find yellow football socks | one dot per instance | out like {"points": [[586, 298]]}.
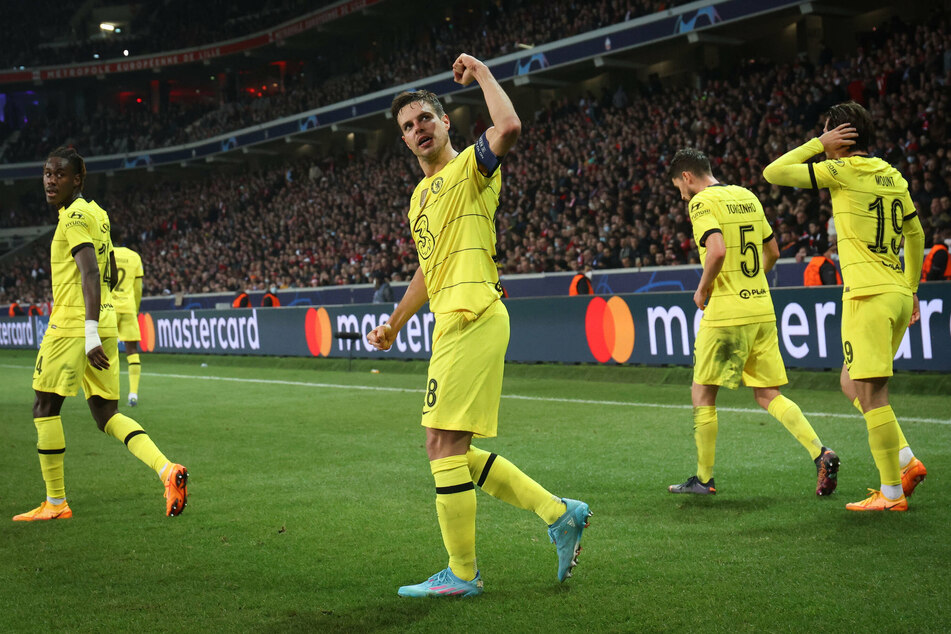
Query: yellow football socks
{"points": [[705, 434], [905, 452], [135, 371], [789, 414], [51, 447], [503, 480], [456, 509], [123, 428], [883, 440]]}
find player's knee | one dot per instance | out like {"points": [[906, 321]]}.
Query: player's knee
{"points": [[45, 405], [102, 411]]}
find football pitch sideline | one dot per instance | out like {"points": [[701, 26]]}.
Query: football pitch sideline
{"points": [[311, 501]]}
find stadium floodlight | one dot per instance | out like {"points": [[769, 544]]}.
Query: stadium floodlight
{"points": [[107, 26]]}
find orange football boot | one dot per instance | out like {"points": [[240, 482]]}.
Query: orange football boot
{"points": [[912, 475], [876, 501], [46, 511], [176, 491]]}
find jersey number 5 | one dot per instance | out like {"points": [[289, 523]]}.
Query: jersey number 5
{"points": [[898, 210], [749, 249]]}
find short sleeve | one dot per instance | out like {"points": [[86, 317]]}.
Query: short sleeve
{"points": [[139, 271], [825, 174], [704, 221], [78, 226], [767, 229]]}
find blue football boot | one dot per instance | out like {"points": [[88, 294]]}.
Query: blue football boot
{"points": [[565, 534], [444, 584]]}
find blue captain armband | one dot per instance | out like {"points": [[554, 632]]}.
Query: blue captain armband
{"points": [[485, 157]]}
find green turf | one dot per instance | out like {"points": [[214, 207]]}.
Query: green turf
{"points": [[309, 505]]}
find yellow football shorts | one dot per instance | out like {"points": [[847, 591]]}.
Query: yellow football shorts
{"points": [[128, 327], [464, 385], [723, 355], [61, 364], [872, 330]]}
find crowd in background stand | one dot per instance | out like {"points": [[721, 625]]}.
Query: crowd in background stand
{"points": [[339, 71], [585, 187]]}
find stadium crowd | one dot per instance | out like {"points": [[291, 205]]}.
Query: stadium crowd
{"points": [[585, 187], [154, 27], [339, 70]]}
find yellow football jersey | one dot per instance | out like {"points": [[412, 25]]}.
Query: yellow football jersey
{"points": [[740, 292], [80, 224], [452, 217], [870, 203], [130, 269]]}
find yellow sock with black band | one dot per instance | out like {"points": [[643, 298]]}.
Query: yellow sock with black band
{"points": [[135, 372], [123, 428], [456, 510], [705, 434], [503, 480], [792, 418], [883, 440], [51, 447]]}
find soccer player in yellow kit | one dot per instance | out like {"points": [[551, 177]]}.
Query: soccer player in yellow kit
{"points": [[737, 336], [127, 297], [872, 210], [80, 344], [452, 217]]}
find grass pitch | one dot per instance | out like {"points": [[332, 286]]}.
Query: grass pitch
{"points": [[311, 501]]}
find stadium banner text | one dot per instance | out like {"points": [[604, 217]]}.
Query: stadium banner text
{"points": [[636, 328]]}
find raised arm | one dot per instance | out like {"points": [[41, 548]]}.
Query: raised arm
{"points": [[506, 126], [791, 168], [416, 296]]}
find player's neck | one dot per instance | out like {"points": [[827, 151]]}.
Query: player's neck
{"points": [[842, 155], [70, 200], [706, 181], [440, 161]]}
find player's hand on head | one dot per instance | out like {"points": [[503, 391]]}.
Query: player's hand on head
{"points": [[381, 337], [98, 359], [839, 137], [463, 69]]}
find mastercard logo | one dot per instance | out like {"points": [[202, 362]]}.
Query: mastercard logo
{"points": [[147, 331], [610, 329], [318, 332]]}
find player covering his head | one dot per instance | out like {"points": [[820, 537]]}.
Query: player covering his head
{"points": [[873, 213], [737, 338], [452, 216], [80, 344]]}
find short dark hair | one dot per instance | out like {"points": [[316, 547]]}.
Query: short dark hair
{"points": [[690, 160], [854, 114], [405, 98], [75, 161]]}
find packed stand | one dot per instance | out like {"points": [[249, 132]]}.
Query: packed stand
{"points": [[155, 28], [586, 186], [340, 71]]}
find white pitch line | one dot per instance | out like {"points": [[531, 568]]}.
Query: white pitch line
{"points": [[520, 397]]}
